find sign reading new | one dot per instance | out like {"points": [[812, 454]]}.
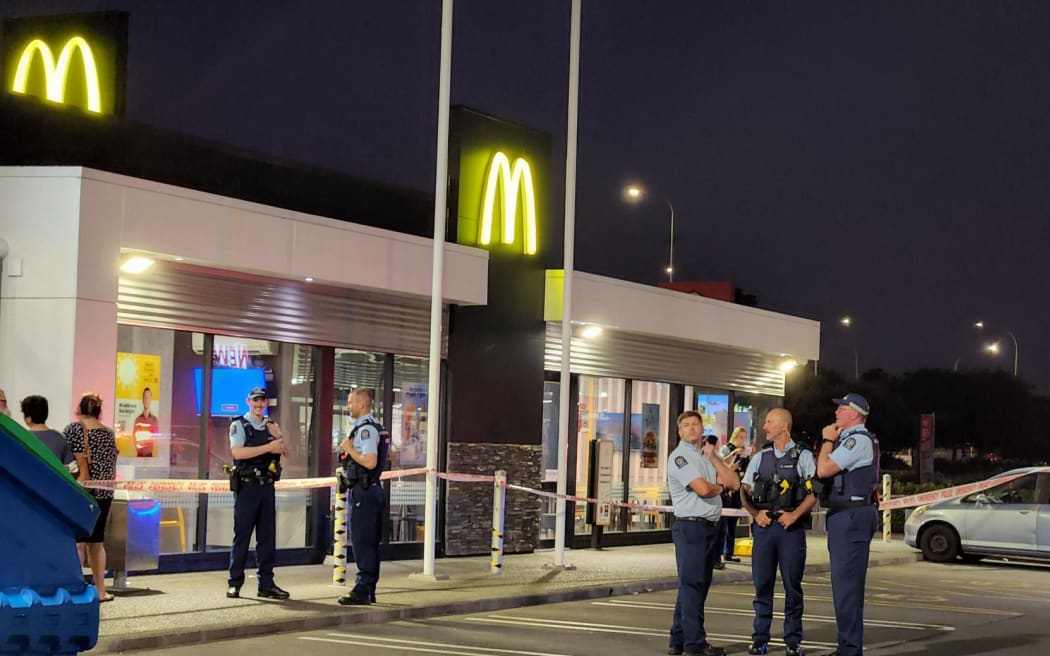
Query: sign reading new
{"points": [[74, 60]]}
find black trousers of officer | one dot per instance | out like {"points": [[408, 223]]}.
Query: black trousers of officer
{"points": [[254, 509], [366, 531], [773, 547], [695, 550], [849, 544]]}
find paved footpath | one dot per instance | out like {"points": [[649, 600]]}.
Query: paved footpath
{"points": [[191, 608]]}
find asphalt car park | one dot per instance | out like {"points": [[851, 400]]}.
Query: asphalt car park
{"points": [[924, 608]]}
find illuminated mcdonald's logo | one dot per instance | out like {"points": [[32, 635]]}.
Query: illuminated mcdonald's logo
{"points": [[56, 73], [512, 181]]}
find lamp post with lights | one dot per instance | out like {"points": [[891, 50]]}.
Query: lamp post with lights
{"points": [[635, 193], [994, 348]]}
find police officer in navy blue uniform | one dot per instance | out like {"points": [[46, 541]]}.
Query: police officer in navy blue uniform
{"points": [[778, 494], [849, 457], [365, 457], [696, 479], [256, 446]]}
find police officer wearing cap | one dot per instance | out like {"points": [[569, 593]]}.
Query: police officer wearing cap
{"points": [[778, 494], [696, 479], [365, 459], [848, 462], [256, 446]]}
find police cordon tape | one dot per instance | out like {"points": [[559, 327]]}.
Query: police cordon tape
{"points": [[924, 498], [217, 486]]}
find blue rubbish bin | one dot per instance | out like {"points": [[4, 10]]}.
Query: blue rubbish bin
{"points": [[45, 606]]}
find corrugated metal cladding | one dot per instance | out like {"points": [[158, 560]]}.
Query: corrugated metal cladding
{"points": [[645, 357], [194, 298]]}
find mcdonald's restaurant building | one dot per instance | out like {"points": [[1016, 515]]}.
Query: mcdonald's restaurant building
{"points": [[312, 284]]}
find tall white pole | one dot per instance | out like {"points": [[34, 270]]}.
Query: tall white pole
{"points": [[566, 301], [437, 291]]}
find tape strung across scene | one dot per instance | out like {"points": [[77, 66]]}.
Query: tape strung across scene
{"points": [[218, 486]]}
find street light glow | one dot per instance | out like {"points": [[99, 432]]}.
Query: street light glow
{"points": [[634, 192], [668, 270], [979, 325], [992, 347], [846, 321]]}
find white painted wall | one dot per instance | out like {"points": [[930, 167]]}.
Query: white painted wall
{"points": [[68, 229], [631, 307]]}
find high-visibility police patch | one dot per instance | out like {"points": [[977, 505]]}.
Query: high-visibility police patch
{"points": [[850, 443], [680, 462]]}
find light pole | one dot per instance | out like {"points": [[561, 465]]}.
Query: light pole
{"points": [[993, 347], [847, 322], [635, 193]]}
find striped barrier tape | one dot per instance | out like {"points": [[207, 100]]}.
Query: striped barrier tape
{"points": [[218, 486], [947, 493]]}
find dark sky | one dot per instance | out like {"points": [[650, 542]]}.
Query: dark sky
{"points": [[890, 160]]}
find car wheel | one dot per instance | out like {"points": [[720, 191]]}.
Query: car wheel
{"points": [[940, 544]]}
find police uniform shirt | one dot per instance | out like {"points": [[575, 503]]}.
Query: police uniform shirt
{"points": [[366, 439], [237, 436], [853, 451], [806, 466], [684, 466]]}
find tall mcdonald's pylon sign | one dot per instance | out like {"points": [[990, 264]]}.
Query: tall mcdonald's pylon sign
{"points": [[512, 181], [56, 73]]}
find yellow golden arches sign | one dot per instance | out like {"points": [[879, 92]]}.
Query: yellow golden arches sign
{"points": [[512, 181], [56, 72]]}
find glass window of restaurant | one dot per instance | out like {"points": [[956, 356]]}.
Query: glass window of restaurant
{"points": [[601, 408], [408, 436], [649, 449], [749, 411], [160, 399]]}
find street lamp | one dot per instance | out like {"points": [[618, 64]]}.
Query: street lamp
{"points": [[994, 348], [634, 193], [847, 322]]}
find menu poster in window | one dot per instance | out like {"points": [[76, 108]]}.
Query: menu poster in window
{"points": [[137, 404], [413, 424], [650, 435]]}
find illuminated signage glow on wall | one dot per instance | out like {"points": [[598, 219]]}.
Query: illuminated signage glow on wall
{"points": [[512, 181], [56, 73]]}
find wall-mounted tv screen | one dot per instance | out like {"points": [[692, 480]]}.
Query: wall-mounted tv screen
{"points": [[229, 389]]}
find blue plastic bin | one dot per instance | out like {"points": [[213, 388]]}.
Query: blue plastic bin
{"points": [[45, 606]]}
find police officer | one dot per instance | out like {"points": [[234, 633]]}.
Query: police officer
{"points": [[256, 446], [778, 494], [696, 479], [365, 457], [849, 458]]}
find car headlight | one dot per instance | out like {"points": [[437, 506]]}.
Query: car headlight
{"points": [[917, 513]]}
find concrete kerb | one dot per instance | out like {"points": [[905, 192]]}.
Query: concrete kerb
{"points": [[377, 614]]}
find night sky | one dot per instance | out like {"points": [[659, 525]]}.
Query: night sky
{"points": [[886, 160]]}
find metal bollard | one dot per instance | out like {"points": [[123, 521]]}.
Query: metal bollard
{"points": [[339, 539], [499, 499], [887, 524]]}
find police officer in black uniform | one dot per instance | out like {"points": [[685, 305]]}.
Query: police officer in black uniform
{"points": [[256, 446], [778, 494], [849, 457], [364, 457]]}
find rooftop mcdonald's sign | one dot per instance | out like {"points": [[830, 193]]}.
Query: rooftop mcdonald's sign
{"points": [[56, 74], [512, 182], [75, 60]]}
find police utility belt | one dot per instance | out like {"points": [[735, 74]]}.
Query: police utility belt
{"points": [[243, 475], [354, 475]]}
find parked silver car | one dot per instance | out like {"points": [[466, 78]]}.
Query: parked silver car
{"points": [[1009, 519]]}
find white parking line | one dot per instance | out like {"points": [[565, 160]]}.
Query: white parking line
{"points": [[419, 645], [887, 624], [537, 622]]}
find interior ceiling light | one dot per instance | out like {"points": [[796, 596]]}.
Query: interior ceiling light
{"points": [[590, 332], [136, 264]]}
